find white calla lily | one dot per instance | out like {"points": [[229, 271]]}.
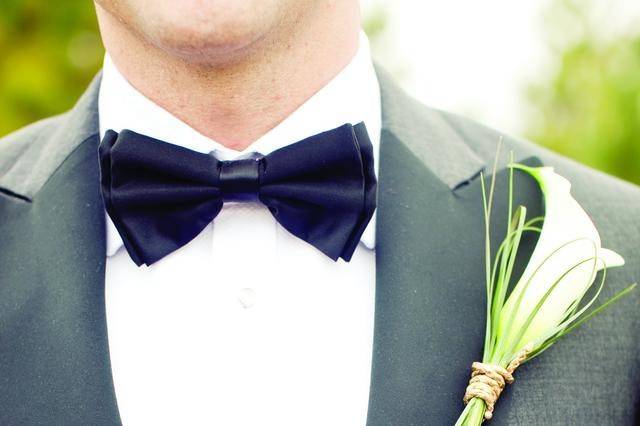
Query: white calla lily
{"points": [[562, 267], [546, 302]]}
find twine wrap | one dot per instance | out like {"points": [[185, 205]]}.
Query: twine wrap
{"points": [[488, 380]]}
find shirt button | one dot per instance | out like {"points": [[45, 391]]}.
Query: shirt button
{"points": [[247, 297]]}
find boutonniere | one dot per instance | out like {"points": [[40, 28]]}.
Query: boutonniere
{"points": [[549, 299]]}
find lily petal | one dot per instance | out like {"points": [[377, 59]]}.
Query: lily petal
{"points": [[563, 266]]}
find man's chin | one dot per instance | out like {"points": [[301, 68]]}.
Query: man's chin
{"points": [[210, 49], [205, 38]]}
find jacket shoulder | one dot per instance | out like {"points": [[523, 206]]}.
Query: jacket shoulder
{"points": [[19, 140], [484, 141], [21, 150]]}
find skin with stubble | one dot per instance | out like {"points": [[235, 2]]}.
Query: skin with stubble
{"points": [[231, 69]]}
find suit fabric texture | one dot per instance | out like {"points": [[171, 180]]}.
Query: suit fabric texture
{"points": [[429, 319]]}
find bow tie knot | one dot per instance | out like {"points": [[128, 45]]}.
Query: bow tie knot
{"points": [[240, 179]]}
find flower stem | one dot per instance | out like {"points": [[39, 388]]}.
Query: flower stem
{"points": [[473, 414]]}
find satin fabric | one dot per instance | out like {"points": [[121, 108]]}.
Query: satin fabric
{"points": [[160, 196]]}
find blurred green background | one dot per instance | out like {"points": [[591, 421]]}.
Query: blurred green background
{"points": [[587, 109], [49, 51]]}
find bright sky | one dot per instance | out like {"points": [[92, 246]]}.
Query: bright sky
{"points": [[476, 57]]}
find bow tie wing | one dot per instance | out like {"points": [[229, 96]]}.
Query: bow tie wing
{"points": [[160, 196], [322, 189]]}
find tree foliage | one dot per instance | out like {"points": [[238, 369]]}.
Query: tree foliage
{"points": [[49, 52], [589, 108]]}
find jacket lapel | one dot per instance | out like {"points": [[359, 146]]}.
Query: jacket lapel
{"points": [[430, 292], [54, 358]]}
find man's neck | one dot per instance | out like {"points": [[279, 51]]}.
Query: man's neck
{"points": [[236, 103]]}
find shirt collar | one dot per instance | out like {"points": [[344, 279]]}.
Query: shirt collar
{"points": [[351, 96]]}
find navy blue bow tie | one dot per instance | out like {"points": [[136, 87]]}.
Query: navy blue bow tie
{"points": [[160, 196]]}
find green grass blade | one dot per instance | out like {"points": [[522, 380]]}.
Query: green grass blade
{"points": [[512, 349]]}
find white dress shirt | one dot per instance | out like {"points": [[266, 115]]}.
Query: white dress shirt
{"points": [[246, 324]]}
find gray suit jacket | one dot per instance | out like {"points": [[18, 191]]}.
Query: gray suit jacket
{"points": [[429, 319]]}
